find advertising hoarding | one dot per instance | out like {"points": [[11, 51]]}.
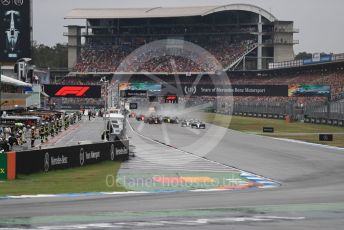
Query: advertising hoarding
{"points": [[305, 90], [15, 30], [73, 91]]}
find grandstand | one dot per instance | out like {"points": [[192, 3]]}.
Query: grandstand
{"points": [[250, 44], [237, 35]]}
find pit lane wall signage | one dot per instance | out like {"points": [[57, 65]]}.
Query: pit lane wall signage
{"points": [[68, 157], [3, 166], [15, 30], [304, 90], [134, 93], [236, 90], [7, 166]]}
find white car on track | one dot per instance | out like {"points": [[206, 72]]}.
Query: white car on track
{"points": [[185, 123], [197, 125]]}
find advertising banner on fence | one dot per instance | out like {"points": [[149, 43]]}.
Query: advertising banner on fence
{"points": [[3, 166], [70, 106], [305, 90], [150, 88], [318, 58], [134, 93], [236, 90], [73, 91], [68, 157]]}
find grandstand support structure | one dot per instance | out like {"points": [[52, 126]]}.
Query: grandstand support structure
{"points": [[74, 44], [237, 61]]}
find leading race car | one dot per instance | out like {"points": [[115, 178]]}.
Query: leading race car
{"points": [[140, 117], [197, 125]]}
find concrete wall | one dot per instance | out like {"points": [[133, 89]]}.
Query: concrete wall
{"points": [[283, 53], [283, 40], [74, 45]]}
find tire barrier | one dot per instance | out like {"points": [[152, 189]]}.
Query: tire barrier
{"points": [[324, 121], [260, 115], [45, 160], [310, 120]]}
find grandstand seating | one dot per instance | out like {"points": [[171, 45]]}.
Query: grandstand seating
{"points": [[107, 58]]}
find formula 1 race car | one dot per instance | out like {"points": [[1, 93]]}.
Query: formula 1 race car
{"points": [[154, 120], [174, 120], [197, 125], [140, 117], [186, 123]]}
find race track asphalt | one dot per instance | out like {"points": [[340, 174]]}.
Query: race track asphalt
{"points": [[310, 196]]}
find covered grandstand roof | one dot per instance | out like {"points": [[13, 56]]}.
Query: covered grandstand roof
{"points": [[164, 12], [14, 82]]}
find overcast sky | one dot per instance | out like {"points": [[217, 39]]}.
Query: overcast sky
{"points": [[321, 22]]}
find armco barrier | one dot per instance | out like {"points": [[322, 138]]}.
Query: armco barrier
{"points": [[45, 160]]}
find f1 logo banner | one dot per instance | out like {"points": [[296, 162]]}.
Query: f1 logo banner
{"points": [[78, 91], [74, 91]]}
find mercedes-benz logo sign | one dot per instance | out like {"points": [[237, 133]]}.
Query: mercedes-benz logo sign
{"points": [[46, 162], [112, 152], [82, 157], [5, 2], [19, 2]]}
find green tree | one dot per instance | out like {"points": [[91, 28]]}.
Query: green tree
{"points": [[303, 56], [54, 57]]}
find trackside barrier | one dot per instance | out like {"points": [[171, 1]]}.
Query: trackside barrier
{"points": [[260, 115], [288, 119], [46, 160], [8, 166], [324, 121]]}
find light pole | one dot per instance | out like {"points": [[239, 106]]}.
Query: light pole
{"points": [[105, 82]]}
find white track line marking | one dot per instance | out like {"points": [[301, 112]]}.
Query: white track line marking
{"points": [[307, 143]]}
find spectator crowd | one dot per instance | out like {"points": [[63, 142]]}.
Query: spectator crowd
{"points": [[215, 55]]}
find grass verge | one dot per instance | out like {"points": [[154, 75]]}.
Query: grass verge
{"points": [[91, 178], [296, 130]]}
